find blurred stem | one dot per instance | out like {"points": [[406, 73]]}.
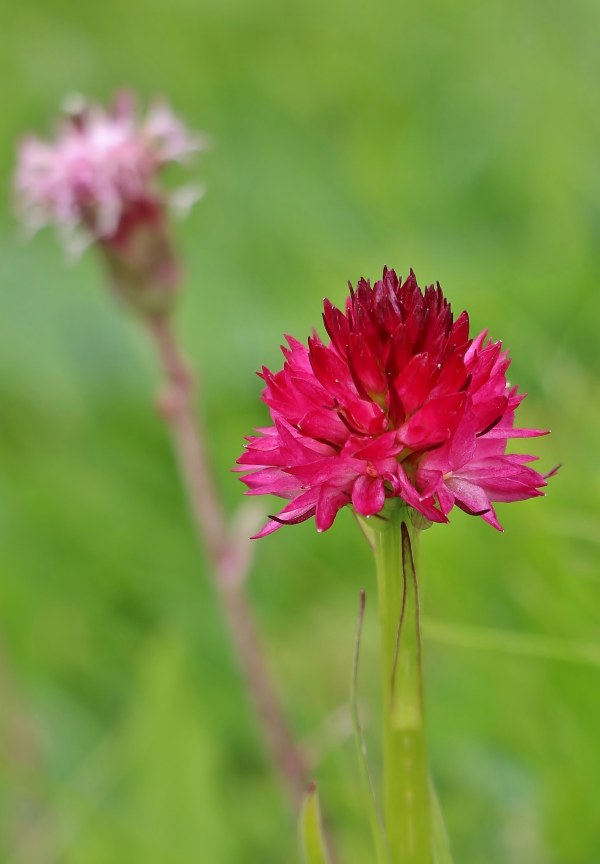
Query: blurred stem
{"points": [[228, 554], [26, 820], [406, 782]]}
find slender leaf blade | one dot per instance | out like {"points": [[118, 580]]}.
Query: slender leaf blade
{"points": [[440, 842], [312, 840]]}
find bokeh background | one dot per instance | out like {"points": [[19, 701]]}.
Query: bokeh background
{"points": [[460, 139]]}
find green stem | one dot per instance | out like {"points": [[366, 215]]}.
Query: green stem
{"points": [[406, 783]]}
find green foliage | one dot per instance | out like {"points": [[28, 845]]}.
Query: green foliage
{"points": [[312, 838], [461, 139]]}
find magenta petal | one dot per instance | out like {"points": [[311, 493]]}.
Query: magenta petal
{"points": [[270, 527], [276, 522], [504, 478], [368, 495], [445, 498], [413, 385], [434, 423], [425, 505], [366, 371], [384, 446], [272, 481], [332, 372], [469, 495], [323, 425], [337, 327], [299, 510], [452, 375], [330, 501], [490, 517], [504, 432]]}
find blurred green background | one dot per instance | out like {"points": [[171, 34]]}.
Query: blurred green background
{"points": [[460, 139]]}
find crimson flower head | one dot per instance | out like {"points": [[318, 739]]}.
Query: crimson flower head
{"points": [[98, 182], [399, 403]]}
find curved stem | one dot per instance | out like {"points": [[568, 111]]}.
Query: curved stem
{"points": [[228, 558], [406, 783]]}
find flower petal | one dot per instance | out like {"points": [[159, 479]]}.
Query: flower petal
{"points": [[368, 495]]}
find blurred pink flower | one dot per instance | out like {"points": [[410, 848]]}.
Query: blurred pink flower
{"points": [[97, 180], [399, 403], [98, 183]]}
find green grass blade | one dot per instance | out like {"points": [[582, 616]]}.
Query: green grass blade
{"points": [[512, 642], [312, 839], [440, 842]]}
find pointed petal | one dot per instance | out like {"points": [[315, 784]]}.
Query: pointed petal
{"points": [[368, 495]]}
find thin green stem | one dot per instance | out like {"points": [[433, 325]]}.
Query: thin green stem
{"points": [[370, 799], [406, 783]]}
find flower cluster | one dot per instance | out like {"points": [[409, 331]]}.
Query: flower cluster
{"points": [[399, 403], [97, 179]]}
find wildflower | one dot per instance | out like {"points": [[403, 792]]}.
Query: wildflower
{"points": [[97, 182], [400, 403]]}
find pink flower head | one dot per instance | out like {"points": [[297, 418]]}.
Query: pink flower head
{"points": [[100, 172], [98, 181], [400, 403]]}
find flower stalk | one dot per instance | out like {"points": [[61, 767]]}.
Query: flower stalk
{"points": [[406, 783], [228, 557]]}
